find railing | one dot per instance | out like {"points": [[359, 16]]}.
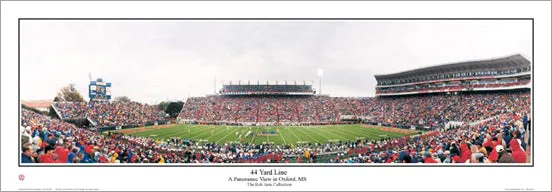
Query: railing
{"points": [[57, 112], [456, 79], [443, 90], [91, 122]]}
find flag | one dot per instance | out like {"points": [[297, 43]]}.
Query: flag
{"points": [[162, 161]]}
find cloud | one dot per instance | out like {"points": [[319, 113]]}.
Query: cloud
{"points": [[151, 61]]}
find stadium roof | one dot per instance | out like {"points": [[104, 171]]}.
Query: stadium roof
{"points": [[37, 103], [256, 82], [513, 61]]}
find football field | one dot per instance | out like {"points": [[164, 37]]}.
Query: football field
{"points": [[272, 134]]}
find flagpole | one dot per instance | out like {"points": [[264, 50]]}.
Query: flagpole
{"points": [[320, 85], [215, 85], [320, 74]]}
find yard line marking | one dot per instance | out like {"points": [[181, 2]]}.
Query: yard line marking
{"points": [[291, 131], [376, 133], [253, 135], [347, 135], [222, 131], [282, 135], [308, 135], [319, 134], [199, 132], [354, 133], [158, 131], [206, 131], [242, 134], [194, 131], [224, 137], [163, 133], [322, 129]]}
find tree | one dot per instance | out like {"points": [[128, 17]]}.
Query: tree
{"points": [[122, 99], [174, 108], [163, 105], [69, 93]]}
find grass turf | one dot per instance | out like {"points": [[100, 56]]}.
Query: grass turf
{"points": [[284, 134]]}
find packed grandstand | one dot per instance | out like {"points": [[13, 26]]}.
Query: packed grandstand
{"points": [[491, 99]]}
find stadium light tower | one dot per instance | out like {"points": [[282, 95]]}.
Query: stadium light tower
{"points": [[213, 71], [320, 74]]}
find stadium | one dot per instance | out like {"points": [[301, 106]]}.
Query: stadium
{"points": [[468, 112]]}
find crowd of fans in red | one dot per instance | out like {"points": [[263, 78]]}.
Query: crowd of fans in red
{"points": [[110, 114], [425, 88], [420, 111], [72, 110], [269, 109], [436, 110], [499, 140]]}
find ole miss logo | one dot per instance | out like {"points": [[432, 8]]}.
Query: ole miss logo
{"points": [[21, 177]]}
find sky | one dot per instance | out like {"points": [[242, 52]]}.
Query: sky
{"points": [[153, 61]]}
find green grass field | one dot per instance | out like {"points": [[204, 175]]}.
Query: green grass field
{"points": [[284, 134]]}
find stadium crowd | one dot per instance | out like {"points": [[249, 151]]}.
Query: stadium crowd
{"points": [[419, 111], [109, 114], [71, 110], [499, 140], [437, 110], [269, 109]]}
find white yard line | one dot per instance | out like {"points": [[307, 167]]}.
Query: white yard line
{"points": [[222, 131], [281, 135], [291, 131], [224, 137], [308, 135], [320, 134], [333, 134], [200, 133], [253, 135]]}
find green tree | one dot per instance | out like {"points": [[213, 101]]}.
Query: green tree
{"points": [[122, 99], [174, 108], [69, 93], [163, 105]]}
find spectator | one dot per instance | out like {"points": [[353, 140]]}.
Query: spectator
{"points": [[48, 156], [447, 157], [518, 154], [466, 153], [504, 156], [428, 158], [27, 155]]}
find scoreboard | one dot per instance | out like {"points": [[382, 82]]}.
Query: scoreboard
{"points": [[99, 90]]}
